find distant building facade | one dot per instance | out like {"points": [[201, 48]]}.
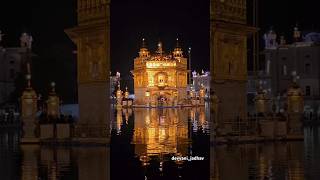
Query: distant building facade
{"points": [[202, 79], [12, 62], [114, 81], [282, 59]]}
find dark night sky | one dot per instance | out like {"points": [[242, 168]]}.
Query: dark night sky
{"points": [[130, 21]]}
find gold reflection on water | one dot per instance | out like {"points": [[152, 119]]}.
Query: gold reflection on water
{"points": [[162, 131]]}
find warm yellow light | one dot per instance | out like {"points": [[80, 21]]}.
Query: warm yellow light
{"points": [[158, 64]]}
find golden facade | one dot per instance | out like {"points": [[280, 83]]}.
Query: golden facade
{"points": [[92, 40], [92, 37], [229, 32], [160, 78]]}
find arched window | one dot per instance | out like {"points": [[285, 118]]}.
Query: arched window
{"points": [[161, 80]]}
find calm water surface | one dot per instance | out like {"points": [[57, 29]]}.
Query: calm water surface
{"points": [[143, 143]]}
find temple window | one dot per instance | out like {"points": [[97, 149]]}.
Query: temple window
{"points": [[161, 80]]}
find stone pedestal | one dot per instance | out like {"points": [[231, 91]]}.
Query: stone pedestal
{"points": [[273, 129], [124, 103], [63, 131], [267, 129], [46, 131], [127, 103], [281, 130]]}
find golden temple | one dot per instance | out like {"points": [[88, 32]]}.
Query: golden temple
{"points": [[159, 78]]}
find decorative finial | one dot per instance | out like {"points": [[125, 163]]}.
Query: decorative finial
{"points": [[118, 74], [295, 77], [26, 40], [126, 94], [28, 68], [296, 33], [53, 87], [28, 75], [194, 73], [160, 50], [28, 78], [144, 45], [177, 43]]}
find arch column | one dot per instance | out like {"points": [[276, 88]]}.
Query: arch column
{"points": [[228, 57], [92, 38]]}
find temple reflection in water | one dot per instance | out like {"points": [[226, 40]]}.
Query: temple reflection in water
{"points": [[138, 153], [147, 139], [162, 131]]}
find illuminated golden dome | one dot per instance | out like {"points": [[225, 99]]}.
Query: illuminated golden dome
{"points": [[160, 48], [144, 52], [177, 53]]}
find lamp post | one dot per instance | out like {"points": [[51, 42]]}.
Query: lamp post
{"points": [[119, 97], [189, 52]]}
